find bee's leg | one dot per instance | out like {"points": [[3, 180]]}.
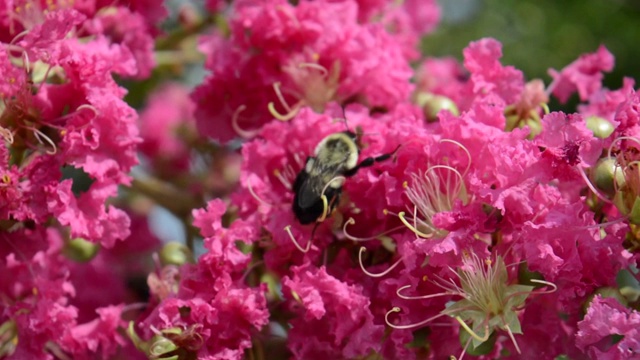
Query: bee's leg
{"points": [[325, 209], [334, 193], [370, 161]]}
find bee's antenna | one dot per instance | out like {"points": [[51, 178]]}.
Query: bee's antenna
{"points": [[344, 116]]}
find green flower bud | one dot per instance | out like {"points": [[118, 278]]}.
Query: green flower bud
{"points": [[80, 250], [605, 173], [432, 104], [175, 253], [161, 348], [600, 127]]}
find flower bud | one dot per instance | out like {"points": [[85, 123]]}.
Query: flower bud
{"points": [[161, 348], [600, 127], [604, 173], [80, 250], [432, 104], [175, 253]]}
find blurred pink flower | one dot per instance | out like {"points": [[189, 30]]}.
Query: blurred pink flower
{"points": [[584, 75]]}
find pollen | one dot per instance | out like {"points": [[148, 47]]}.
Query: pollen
{"points": [[6, 178]]}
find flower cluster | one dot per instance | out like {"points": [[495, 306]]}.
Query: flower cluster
{"points": [[68, 141], [340, 196]]}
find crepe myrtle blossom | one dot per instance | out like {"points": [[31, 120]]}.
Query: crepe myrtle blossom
{"points": [[79, 125], [333, 318], [167, 127], [41, 317], [273, 159], [490, 302], [583, 75], [305, 55], [609, 330], [213, 314]]}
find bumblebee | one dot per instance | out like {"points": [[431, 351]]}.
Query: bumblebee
{"points": [[319, 185]]}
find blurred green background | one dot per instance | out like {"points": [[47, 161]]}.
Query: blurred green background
{"points": [[541, 34]]}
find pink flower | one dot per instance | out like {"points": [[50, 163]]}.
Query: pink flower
{"points": [[273, 160], [127, 31], [627, 115], [563, 246], [446, 77], [37, 299], [214, 323], [166, 124], [99, 336], [606, 320], [334, 320], [568, 143], [583, 75], [604, 103], [309, 54], [488, 75], [223, 256], [214, 314]]}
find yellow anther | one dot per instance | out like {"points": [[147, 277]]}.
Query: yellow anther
{"points": [[6, 178], [385, 211], [405, 184]]}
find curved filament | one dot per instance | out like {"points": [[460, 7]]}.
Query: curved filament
{"points": [[284, 117], [545, 108], [7, 135], [513, 339], [255, 196], [593, 189], [602, 225], [323, 70], [246, 134], [283, 102], [617, 140], [295, 242], [409, 326], [38, 134], [351, 221], [250, 269], [411, 227], [446, 167], [390, 269], [553, 289], [473, 334], [464, 148], [422, 297]]}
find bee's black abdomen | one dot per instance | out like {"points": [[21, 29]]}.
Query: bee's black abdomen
{"points": [[312, 213]]}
